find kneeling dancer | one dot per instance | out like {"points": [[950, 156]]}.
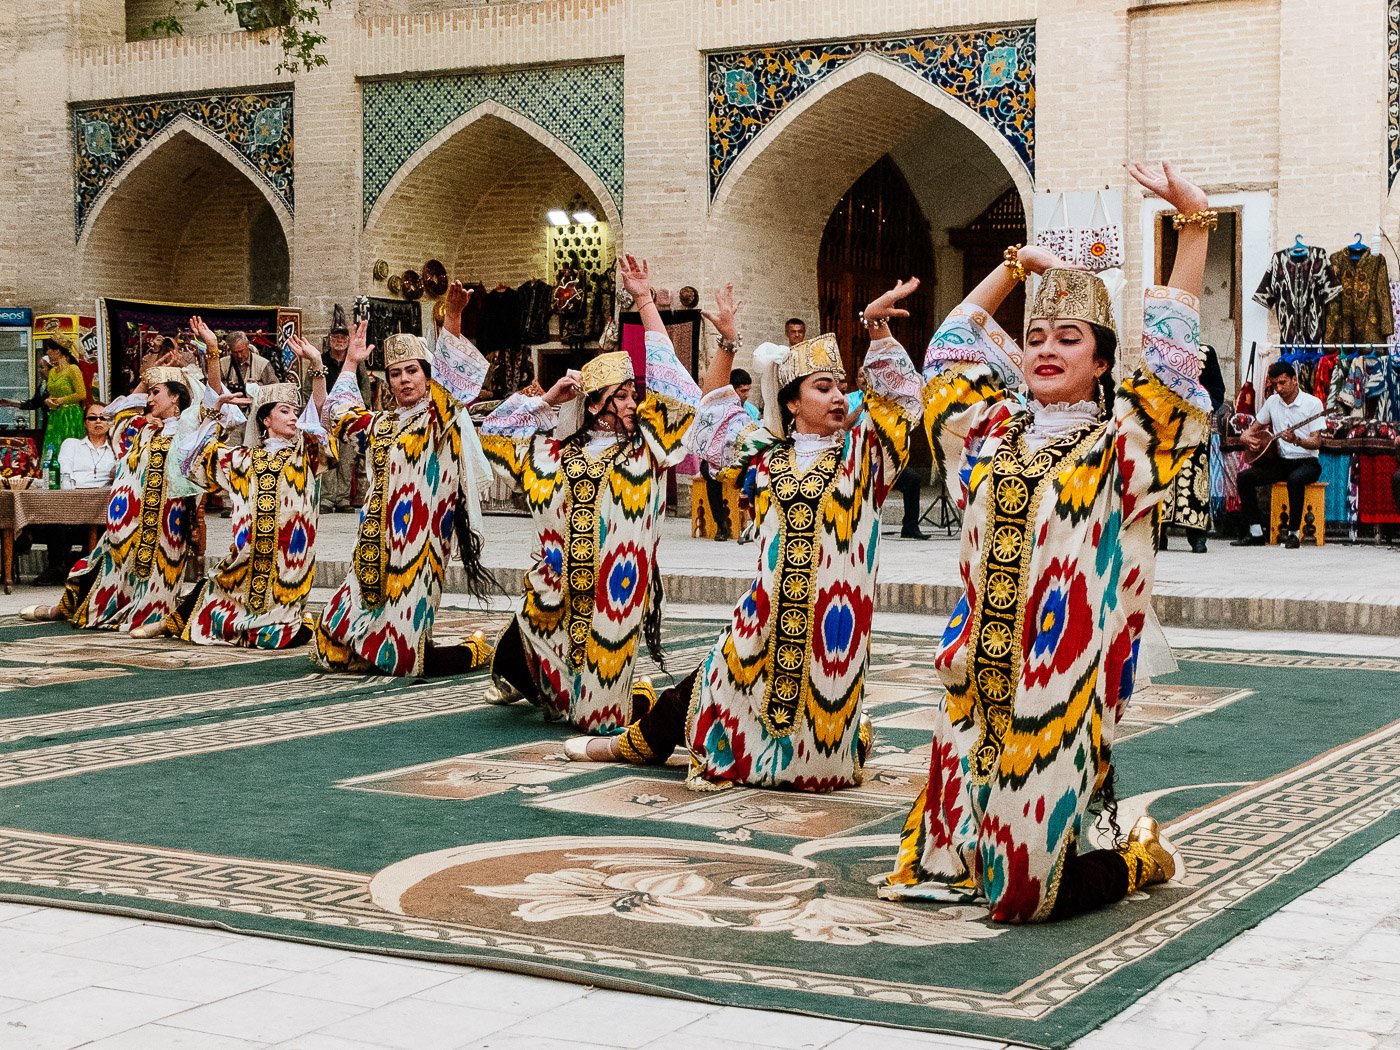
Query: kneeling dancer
{"points": [[132, 577], [425, 466], [595, 483], [256, 597], [777, 702], [1058, 554]]}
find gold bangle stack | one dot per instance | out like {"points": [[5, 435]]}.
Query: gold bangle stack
{"points": [[1207, 220], [1011, 259]]}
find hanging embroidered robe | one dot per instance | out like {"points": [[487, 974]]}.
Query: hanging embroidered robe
{"points": [[381, 618], [256, 597], [778, 699], [598, 523], [1057, 563], [132, 577], [1298, 290]]}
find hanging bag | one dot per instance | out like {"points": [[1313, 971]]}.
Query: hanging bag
{"points": [[1244, 400], [1058, 236], [1101, 245]]}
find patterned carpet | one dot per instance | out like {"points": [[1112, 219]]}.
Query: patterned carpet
{"points": [[250, 792]]}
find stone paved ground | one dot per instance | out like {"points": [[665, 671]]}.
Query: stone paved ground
{"points": [[1322, 972]]}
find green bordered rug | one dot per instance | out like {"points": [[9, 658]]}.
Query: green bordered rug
{"points": [[253, 793]]}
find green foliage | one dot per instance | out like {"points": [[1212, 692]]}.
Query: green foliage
{"points": [[295, 22]]}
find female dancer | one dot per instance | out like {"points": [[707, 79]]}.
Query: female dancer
{"points": [[777, 703], [256, 597], [132, 576], [425, 466], [596, 486], [1057, 560]]}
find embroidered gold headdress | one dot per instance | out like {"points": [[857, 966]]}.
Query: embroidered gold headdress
{"points": [[1073, 295], [605, 370], [781, 365], [165, 374], [271, 394], [401, 347]]}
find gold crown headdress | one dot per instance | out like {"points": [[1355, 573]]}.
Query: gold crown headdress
{"points": [[782, 365], [270, 394], [605, 370], [401, 347], [165, 374], [1073, 295]]}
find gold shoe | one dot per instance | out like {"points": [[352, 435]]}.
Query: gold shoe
{"points": [[33, 614], [1147, 834], [149, 630]]}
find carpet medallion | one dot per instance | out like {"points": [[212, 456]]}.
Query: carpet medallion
{"points": [[251, 792]]}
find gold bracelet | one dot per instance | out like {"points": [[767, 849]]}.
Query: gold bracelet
{"points": [[1208, 220], [1011, 259]]}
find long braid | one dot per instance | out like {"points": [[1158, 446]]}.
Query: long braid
{"points": [[1104, 804], [481, 582]]}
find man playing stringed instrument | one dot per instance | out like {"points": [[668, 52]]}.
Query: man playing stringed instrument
{"points": [[1291, 421]]}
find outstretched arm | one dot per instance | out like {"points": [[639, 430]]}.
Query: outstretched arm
{"points": [[893, 401], [636, 278], [458, 366], [725, 319], [201, 331], [1190, 201]]}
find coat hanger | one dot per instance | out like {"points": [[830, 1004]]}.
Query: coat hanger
{"points": [[1299, 249], [1357, 247]]}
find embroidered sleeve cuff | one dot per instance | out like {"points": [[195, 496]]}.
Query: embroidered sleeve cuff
{"points": [[971, 334], [459, 366], [665, 375], [520, 416], [1171, 342]]}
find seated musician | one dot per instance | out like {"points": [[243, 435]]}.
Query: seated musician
{"points": [[1297, 419]]}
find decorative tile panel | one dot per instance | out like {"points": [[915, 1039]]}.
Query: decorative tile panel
{"points": [[581, 105], [1392, 42], [108, 134], [990, 70]]}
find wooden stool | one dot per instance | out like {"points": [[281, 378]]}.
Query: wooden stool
{"points": [[702, 515], [1314, 524]]}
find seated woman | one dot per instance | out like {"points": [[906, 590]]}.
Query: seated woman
{"points": [[595, 483], [132, 577], [256, 597], [1058, 497], [425, 468], [777, 703]]}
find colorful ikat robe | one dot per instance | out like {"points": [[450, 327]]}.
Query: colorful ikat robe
{"points": [[778, 699], [132, 577], [598, 522], [1057, 561], [381, 618], [256, 597]]}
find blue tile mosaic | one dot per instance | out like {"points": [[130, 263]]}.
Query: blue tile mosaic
{"points": [[106, 135], [581, 105], [991, 70]]}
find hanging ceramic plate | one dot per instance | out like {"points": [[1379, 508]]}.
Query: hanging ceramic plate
{"points": [[434, 278], [381, 269], [395, 285], [412, 285]]}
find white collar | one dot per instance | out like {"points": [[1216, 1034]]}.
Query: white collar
{"points": [[815, 442], [273, 445], [410, 411], [1051, 421]]}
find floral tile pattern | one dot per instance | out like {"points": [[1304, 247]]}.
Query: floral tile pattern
{"points": [[581, 105], [990, 69], [106, 135]]}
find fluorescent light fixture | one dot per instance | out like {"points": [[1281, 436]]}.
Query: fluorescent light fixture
{"points": [[557, 217], [585, 217]]}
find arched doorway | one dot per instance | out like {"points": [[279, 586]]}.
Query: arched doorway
{"points": [[876, 236], [186, 223], [479, 198]]}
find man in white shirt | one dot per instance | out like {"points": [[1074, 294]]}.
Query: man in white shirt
{"points": [[1298, 419], [88, 462]]}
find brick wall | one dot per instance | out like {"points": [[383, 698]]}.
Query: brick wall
{"points": [[1281, 96]]}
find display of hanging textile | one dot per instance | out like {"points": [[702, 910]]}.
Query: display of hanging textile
{"points": [[1363, 312], [1336, 475], [1298, 286]]}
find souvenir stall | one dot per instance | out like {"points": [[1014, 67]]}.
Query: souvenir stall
{"points": [[127, 329], [1336, 315]]}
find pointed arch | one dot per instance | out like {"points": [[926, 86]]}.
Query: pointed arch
{"points": [[183, 125], [484, 111]]}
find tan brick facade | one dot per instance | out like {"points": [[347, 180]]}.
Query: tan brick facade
{"points": [[1280, 101]]}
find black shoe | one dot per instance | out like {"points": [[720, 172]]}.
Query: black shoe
{"points": [[1162, 542], [1198, 545], [1248, 540], [912, 534], [1290, 541]]}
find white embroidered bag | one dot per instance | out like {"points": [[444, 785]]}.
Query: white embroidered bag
{"points": [[1101, 245], [1058, 236]]}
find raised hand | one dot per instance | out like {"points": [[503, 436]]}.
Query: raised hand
{"points": [[458, 295], [1178, 191], [724, 314], [636, 278], [1037, 259], [563, 391], [305, 351], [359, 350], [241, 400], [887, 305], [204, 334]]}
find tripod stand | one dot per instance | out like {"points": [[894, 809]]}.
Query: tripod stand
{"points": [[942, 513]]}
